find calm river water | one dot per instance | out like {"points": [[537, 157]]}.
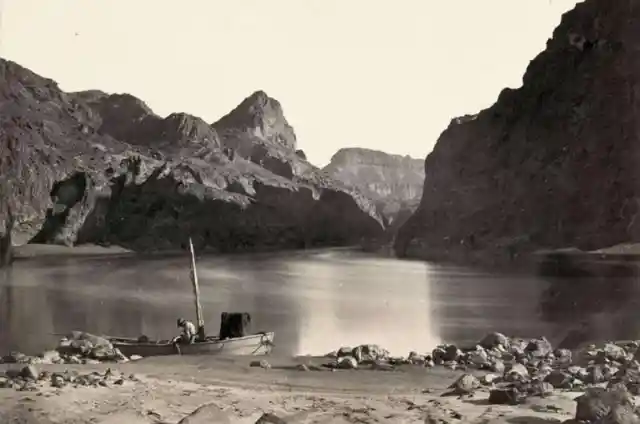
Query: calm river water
{"points": [[314, 301]]}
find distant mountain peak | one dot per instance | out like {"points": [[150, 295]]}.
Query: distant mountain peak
{"points": [[261, 116]]}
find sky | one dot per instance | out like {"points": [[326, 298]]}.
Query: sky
{"points": [[381, 74]]}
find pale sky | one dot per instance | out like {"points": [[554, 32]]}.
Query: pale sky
{"points": [[380, 74]]}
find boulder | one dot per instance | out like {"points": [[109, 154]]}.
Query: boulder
{"points": [[466, 384], [369, 353], [539, 348], [493, 340], [207, 414], [613, 406], [270, 419], [347, 363], [559, 379], [506, 396]]}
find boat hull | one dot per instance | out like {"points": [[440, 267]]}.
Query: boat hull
{"points": [[255, 344]]}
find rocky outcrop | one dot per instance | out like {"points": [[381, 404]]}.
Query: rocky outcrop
{"points": [[96, 168], [551, 164], [394, 182]]}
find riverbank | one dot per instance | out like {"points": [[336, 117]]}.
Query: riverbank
{"points": [[168, 389], [49, 251], [501, 380]]}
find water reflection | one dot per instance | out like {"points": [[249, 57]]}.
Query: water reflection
{"points": [[591, 300], [315, 302], [393, 305], [471, 303]]}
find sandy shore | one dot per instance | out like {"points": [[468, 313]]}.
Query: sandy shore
{"points": [[34, 251], [167, 389]]}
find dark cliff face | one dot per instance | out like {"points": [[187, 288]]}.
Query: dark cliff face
{"points": [[394, 182], [551, 164], [90, 167]]}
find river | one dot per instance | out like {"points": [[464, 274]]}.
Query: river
{"points": [[314, 301]]}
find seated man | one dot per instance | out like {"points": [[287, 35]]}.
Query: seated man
{"points": [[189, 332]]}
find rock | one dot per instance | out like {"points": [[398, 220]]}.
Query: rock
{"points": [[497, 366], [73, 360], [465, 385], [270, 419], [344, 351], [614, 352], [615, 404], [542, 389], [369, 353], [489, 379], [539, 348], [28, 386], [135, 357], [51, 357], [206, 414], [478, 357], [596, 374], [416, 359], [451, 353], [58, 381], [263, 363], [524, 157], [452, 365], [106, 353], [99, 151], [14, 358], [559, 379], [4, 382], [30, 372], [394, 182], [347, 363], [576, 371], [563, 356], [493, 340], [438, 355], [395, 361], [505, 396], [516, 372]]}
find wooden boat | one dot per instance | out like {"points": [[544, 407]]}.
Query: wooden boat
{"points": [[255, 344]]}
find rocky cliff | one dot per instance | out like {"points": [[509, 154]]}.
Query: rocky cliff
{"points": [[551, 164], [394, 182], [96, 168]]}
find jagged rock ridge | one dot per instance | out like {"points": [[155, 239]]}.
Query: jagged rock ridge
{"points": [[394, 182], [92, 167], [551, 164]]}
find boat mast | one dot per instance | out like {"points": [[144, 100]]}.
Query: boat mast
{"points": [[196, 291]]}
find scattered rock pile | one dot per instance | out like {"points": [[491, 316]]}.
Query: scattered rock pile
{"points": [[29, 378], [348, 358], [514, 369], [77, 348]]}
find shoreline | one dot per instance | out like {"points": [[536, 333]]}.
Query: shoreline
{"points": [[50, 251], [168, 389], [447, 385]]}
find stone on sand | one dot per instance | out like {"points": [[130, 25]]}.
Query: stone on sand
{"points": [[613, 406], [207, 414]]}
